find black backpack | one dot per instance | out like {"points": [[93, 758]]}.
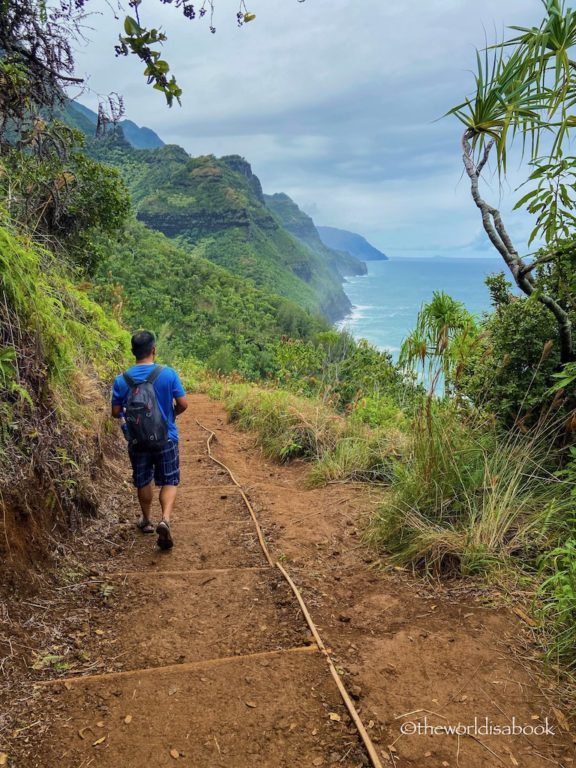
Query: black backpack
{"points": [[147, 428]]}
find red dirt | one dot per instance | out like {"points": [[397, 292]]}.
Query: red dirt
{"points": [[201, 655]]}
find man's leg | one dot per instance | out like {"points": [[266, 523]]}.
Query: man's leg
{"points": [[167, 475], [142, 476], [167, 499], [146, 497]]}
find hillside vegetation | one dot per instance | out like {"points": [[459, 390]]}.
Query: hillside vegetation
{"points": [[218, 204], [58, 351], [199, 309], [302, 226]]}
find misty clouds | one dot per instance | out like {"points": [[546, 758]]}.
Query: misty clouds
{"points": [[333, 105]]}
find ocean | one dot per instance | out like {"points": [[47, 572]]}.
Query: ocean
{"points": [[386, 301]]}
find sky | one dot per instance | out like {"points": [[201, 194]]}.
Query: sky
{"points": [[337, 103]]}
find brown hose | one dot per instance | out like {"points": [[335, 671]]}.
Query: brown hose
{"points": [[370, 748]]}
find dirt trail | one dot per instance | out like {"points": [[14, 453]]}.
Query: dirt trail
{"points": [[217, 668], [204, 659]]}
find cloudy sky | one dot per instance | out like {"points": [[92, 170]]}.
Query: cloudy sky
{"points": [[335, 102]]}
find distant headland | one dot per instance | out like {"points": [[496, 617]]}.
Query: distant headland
{"points": [[356, 245]]}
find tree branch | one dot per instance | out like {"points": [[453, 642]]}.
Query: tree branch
{"points": [[546, 259], [500, 239]]}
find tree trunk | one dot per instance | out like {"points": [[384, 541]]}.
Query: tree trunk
{"points": [[500, 239]]}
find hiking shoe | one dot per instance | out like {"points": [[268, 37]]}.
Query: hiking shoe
{"points": [[164, 535], [144, 525]]}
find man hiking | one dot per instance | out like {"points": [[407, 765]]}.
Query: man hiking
{"points": [[149, 397]]}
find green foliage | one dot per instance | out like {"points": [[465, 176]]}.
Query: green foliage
{"points": [[379, 410], [73, 331], [192, 372], [8, 376], [556, 602], [138, 41], [551, 201], [441, 343], [502, 104], [511, 368], [339, 369], [525, 86], [202, 310], [59, 194]]}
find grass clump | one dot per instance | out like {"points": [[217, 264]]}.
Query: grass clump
{"points": [[467, 499], [287, 426], [361, 455]]}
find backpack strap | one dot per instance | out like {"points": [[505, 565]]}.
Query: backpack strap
{"points": [[154, 373], [129, 380]]}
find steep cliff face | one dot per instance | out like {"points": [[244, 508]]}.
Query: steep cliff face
{"points": [[241, 166], [302, 226], [218, 203]]}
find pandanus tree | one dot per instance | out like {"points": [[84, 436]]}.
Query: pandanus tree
{"points": [[439, 345], [525, 94]]}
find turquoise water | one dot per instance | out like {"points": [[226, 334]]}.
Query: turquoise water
{"points": [[386, 301]]}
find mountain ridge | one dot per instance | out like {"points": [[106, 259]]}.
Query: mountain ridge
{"points": [[302, 226], [218, 204], [352, 242], [85, 119]]}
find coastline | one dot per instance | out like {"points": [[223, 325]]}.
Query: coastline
{"points": [[385, 306]]}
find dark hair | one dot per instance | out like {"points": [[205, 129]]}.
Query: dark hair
{"points": [[143, 342]]}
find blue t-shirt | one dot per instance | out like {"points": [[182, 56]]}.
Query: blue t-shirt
{"points": [[167, 386]]}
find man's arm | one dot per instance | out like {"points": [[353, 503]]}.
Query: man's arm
{"points": [[180, 405], [117, 411]]}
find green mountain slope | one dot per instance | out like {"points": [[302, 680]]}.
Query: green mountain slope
{"points": [[302, 226], [198, 308], [218, 204], [351, 242]]}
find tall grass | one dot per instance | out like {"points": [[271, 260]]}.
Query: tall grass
{"points": [[463, 497], [555, 601], [289, 426], [468, 499]]}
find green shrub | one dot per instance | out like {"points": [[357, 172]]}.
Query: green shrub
{"points": [[511, 368], [379, 410], [337, 368], [192, 372]]}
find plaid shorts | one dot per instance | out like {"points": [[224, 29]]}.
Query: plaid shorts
{"points": [[162, 466]]}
